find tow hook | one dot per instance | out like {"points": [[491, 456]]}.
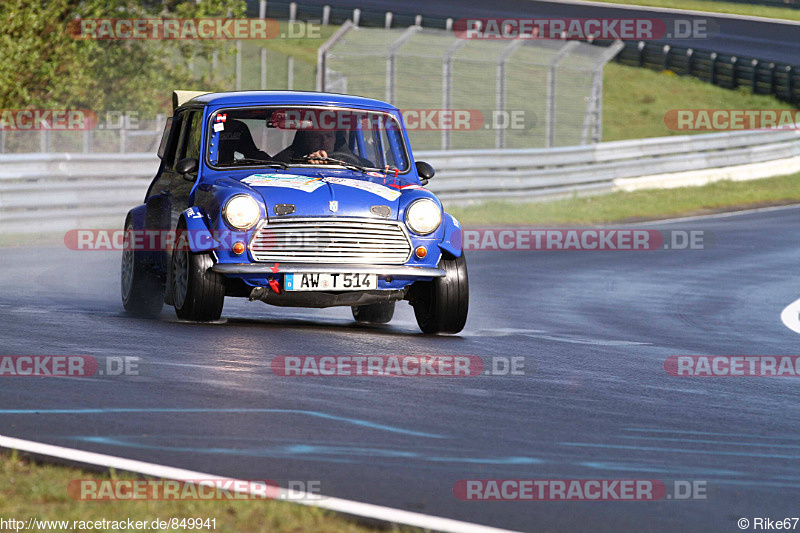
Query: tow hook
{"points": [[273, 283]]}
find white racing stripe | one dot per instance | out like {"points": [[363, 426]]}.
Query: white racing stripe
{"points": [[790, 316], [366, 510]]}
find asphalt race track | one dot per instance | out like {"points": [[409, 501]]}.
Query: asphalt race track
{"points": [[761, 39], [595, 401]]}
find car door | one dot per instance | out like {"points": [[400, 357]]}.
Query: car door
{"points": [[158, 196], [189, 146]]}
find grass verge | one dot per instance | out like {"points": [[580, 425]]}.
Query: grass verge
{"points": [[635, 206], [40, 490], [733, 8], [635, 101]]}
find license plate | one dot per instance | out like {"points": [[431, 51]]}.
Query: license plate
{"points": [[330, 282]]}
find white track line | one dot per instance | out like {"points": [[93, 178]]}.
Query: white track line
{"points": [[791, 316], [366, 510], [672, 10], [724, 214]]}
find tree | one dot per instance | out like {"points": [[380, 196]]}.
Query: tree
{"points": [[44, 66]]}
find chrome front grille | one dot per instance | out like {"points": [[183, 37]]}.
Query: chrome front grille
{"points": [[332, 240]]}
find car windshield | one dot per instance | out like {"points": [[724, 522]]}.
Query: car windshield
{"points": [[307, 136]]}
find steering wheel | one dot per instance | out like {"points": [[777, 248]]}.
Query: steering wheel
{"points": [[347, 157]]}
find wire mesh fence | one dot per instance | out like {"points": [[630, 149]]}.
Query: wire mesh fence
{"points": [[521, 93], [247, 65], [514, 94]]}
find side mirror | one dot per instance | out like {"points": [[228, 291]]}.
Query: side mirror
{"points": [[186, 166], [425, 172]]}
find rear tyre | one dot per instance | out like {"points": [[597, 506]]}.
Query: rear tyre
{"points": [[374, 313], [441, 305], [142, 290], [198, 293]]}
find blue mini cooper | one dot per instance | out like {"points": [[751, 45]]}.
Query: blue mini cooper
{"points": [[296, 199]]}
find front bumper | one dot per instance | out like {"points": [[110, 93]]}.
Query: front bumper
{"points": [[311, 268]]}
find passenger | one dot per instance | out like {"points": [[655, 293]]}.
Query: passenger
{"points": [[236, 138]]}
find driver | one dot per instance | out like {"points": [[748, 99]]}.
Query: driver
{"points": [[316, 145], [325, 140]]}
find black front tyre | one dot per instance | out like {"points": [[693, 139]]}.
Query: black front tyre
{"points": [[441, 305], [198, 293], [142, 290], [374, 313]]}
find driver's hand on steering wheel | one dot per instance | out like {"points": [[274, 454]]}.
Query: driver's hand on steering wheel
{"points": [[317, 158]]}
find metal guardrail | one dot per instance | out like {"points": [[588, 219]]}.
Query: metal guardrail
{"points": [[55, 192], [513, 174]]}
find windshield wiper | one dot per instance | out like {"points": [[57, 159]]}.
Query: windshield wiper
{"points": [[261, 162]]}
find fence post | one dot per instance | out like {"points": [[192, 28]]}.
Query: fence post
{"points": [[551, 92], [665, 50], [326, 15], [263, 69], [418, 20], [713, 79], [597, 134], [754, 82], [390, 59], [689, 61], [789, 83], [447, 85], [593, 119], [448, 24], [238, 65], [502, 59], [772, 78], [734, 79], [356, 17], [641, 46], [292, 11], [387, 23], [262, 9], [322, 53], [290, 73]]}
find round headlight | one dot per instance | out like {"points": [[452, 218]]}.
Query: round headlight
{"points": [[423, 216], [241, 212]]}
